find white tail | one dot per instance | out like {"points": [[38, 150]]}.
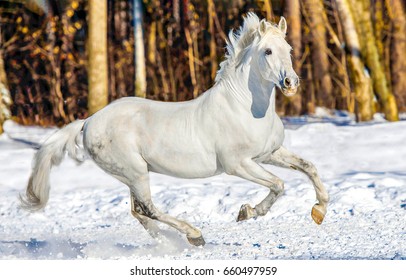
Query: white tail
{"points": [[51, 153]]}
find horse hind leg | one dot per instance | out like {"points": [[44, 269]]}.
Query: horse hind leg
{"points": [[150, 212], [132, 170], [193, 235], [145, 211], [149, 225]]}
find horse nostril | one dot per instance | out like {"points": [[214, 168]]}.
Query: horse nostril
{"points": [[286, 82]]}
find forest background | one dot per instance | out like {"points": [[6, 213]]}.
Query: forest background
{"points": [[64, 60]]}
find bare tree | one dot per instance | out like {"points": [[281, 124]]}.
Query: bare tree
{"points": [[315, 14], [212, 44], [266, 7], [360, 81], [294, 37], [97, 61], [140, 72], [370, 53], [397, 11]]}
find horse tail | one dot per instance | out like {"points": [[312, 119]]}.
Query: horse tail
{"points": [[51, 153]]}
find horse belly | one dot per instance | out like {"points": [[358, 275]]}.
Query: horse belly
{"points": [[183, 164]]}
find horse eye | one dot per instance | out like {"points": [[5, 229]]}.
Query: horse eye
{"points": [[268, 52]]}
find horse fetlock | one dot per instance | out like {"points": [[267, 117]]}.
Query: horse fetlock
{"points": [[246, 213], [260, 210], [324, 199], [318, 213]]}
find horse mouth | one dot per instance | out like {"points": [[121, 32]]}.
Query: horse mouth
{"points": [[289, 91]]}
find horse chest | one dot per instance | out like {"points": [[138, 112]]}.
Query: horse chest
{"points": [[261, 136], [276, 136]]}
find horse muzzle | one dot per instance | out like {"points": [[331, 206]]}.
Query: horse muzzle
{"points": [[289, 91], [289, 86]]}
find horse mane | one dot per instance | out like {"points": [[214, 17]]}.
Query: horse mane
{"points": [[238, 42]]}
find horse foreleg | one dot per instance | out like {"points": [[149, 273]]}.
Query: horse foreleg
{"points": [[284, 158], [252, 171]]}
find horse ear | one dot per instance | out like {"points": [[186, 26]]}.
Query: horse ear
{"points": [[283, 25], [262, 27]]}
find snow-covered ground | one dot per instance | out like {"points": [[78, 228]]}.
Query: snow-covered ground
{"points": [[88, 215]]}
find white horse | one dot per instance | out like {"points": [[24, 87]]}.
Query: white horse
{"points": [[231, 128]]}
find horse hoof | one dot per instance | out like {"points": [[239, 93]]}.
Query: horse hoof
{"points": [[317, 214], [246, 212], [196, 241]]}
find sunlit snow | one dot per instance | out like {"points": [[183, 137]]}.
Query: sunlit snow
{"points": [[88, 215]]}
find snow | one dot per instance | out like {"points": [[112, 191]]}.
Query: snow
{"points": [[88, 215]]}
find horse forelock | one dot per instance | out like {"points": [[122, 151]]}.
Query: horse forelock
{"points": [[240, 41]]}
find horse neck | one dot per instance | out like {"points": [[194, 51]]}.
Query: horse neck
{"points": [[245, 89]]}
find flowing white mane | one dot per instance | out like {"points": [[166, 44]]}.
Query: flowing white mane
{"points": [[239, 42]]}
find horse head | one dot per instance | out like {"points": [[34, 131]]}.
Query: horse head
{"points": [[273, 57], [263, 46]]}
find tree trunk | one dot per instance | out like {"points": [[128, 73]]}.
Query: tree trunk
{"points": [[314, 11], [398, 51], [5, 99], [266, 7], [212, 43], [379, 26], [140, 72], [360, 81], [309, 92], [191, 62], [97, 50], [294, 37], [370, 52]]}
